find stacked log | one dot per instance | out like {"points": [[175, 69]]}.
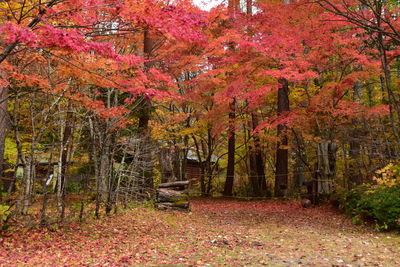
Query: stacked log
{"points": [[173, 196]]}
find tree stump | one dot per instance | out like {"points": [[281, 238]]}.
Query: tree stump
{"points": [[173, 196]]}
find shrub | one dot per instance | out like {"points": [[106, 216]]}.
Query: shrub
{"points": [[379, 204], [389, 175], [73, 186], [4, 213]]}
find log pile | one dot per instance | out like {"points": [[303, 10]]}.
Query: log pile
{"points": [[173, 196]]}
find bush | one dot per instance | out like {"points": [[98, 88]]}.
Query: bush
{"points": [[73, 186], [378, 204], [4, 213]]}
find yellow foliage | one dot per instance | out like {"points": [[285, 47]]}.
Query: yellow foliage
{"points": [[389, 175]]}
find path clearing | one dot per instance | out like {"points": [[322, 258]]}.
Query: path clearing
{"points": [[217, 232]]}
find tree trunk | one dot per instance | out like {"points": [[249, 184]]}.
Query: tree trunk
{"points": [[281, 176], [3, 124], [104, 170], [249, 7], [326, 167], [166, 165], [66, 133], [257, 164], [354, 174], [145, 110], [230, 171], [354, 168], [28, 184], [233, 9], [96, 163]]}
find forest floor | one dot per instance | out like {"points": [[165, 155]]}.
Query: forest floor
{"points": [[216, 232]]}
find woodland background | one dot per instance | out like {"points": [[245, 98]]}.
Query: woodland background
{"points": [[102, 100]]}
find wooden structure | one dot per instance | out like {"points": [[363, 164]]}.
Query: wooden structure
{"points": [[173, 196], [193, 170]]}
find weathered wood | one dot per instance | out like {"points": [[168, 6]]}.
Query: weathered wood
{"points": [[179, 189], [167, 195], [173, 196], [173, 206], [180, 184]]}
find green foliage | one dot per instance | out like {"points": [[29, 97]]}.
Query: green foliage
{"points": [[84, 168], [378, 204], [10, 153], [148, 203], [73, 186], [4, 212]]}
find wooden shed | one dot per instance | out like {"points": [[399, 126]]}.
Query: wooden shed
{"points": [[193, 170]]}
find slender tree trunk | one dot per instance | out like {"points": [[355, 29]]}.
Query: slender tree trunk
{"points": [[201, 164], [249, 7], [60, 182], [66, 132], [257, 163], [104, 170], [256, 160], [281, 174], [24, 195], [21, 156], [145, 110], [67, 135], [326, 167], [28, 184], [112, 182], [355, 145], [233, 9], [45, 185], [144, 116], [208, 161], [3, 124], [230, 170], [96, 163]]}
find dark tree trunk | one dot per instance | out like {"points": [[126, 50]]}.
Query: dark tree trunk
{"points": [[354, 168], [256, 160], [145, 109], [354, 174], [144, 115], [249, 7], [230, 171], [233, 9], [257, 164], [4, 123], [63, 162], [281, 175]]}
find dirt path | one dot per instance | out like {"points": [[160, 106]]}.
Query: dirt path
{"points": [[217, 232]]}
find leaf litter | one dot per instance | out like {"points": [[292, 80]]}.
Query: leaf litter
{"points": [[216, 232]]}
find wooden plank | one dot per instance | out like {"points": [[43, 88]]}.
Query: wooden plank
{"points": [[174, 184], [7, 178]]}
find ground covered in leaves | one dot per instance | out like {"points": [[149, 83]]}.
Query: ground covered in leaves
{"points": [[216, 232]]}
